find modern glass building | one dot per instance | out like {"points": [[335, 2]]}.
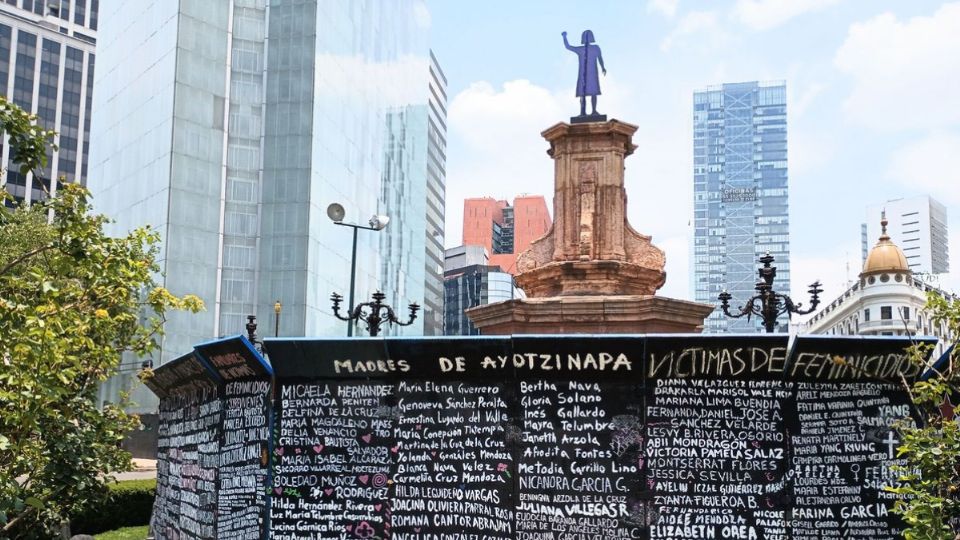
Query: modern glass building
{"points": [[469, 281], [740, 194], [46, 67], [436, 200], [231, 126], [916, 224]]}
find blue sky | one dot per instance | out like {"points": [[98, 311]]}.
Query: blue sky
{"points": [[873, 107]]}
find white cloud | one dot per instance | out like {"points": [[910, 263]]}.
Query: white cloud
{"points": [[667, 8], [501, 153], [809, 150], [906, 74], [678, 267], [703, 25], [833, 271], [486, 117], [930, 166], [421, 15], [767, 14], [802, 99]]}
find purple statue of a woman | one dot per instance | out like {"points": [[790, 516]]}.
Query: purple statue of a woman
{"points": [[588, 82]]}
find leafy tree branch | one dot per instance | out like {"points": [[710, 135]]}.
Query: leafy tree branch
{"points": [[72, 300]]}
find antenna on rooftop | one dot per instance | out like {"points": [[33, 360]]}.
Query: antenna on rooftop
{"points": [[847, 256]]}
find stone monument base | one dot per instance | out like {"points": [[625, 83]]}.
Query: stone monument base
{"points": [[591, 278], [586, 118], [620, 314]]}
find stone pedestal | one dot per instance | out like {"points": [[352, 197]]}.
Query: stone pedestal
{"points": [[591, 273], [620, 314], [590, 220]]}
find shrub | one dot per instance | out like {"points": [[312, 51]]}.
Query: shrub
{"points": [[126, 533], [128, 503]]}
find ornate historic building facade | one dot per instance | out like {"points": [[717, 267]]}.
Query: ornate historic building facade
{"points": [[887, 300]]}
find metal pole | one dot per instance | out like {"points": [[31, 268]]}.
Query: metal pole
{"points": [[353, 272]]}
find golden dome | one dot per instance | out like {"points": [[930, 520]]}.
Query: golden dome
{"points": [[885, 256]]}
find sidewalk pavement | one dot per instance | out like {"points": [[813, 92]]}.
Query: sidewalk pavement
{"points": [[142, 469]]}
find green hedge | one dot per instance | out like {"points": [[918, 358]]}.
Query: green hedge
{"points": [[128, 504]]}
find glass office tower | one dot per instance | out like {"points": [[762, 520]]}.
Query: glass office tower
{"points": [[47, 58], [740, 194], [231, 126], [470, 281], [918, 225], [433, 295]]}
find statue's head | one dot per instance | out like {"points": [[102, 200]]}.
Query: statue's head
{"points": [[587, 37]]}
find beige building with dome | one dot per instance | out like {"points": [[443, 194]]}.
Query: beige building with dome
{"points": [[886, 301]]}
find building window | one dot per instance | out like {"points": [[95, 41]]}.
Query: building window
{"points": [[866, 315], [886, 313], [905, 311]]}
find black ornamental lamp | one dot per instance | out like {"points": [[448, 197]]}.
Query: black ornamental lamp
{"points": [[375, 314], [767, 303], [252, 333]]}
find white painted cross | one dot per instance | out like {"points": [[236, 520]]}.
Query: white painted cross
{"points": [[891, 442]]}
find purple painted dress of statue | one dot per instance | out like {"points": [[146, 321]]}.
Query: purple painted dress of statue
{"points": [[588, 80]]}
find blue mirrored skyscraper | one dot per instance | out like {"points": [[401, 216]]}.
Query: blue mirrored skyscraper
{"points": [[740, 193]]}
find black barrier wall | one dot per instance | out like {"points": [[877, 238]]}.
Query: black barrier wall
{"points": [[589, 437], [188, 435], [213, 443]]}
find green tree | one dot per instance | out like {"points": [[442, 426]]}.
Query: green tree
{"points": [[930, 479], [72, 300]]}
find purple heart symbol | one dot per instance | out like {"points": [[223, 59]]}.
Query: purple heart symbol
{"points": [[328, 491], [377, 507], [366, 438], [416, 529], [651, 483], [278, 490], [318, 448], [395, 449], [349, 528], [756, 444], [278, 451], [364, 478], [419, 426], [297, 451], [433, 453]]}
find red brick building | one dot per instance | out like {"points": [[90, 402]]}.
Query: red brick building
{"points": [[506, 231]]}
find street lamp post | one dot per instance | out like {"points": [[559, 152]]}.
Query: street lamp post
{"points": [[767, 303], [336, 214], [277, 307]]}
